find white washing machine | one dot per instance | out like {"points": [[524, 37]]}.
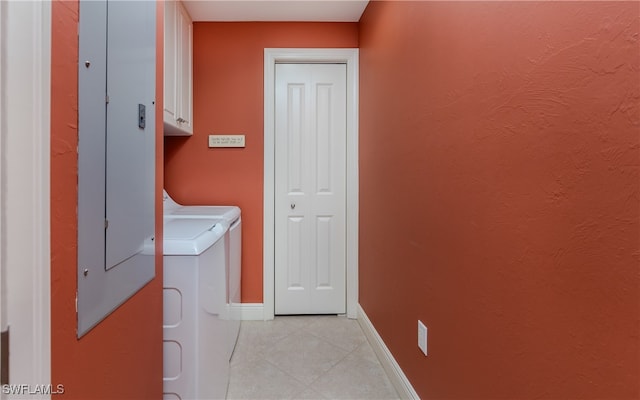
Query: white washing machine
{"points": [[195, 362], [233, 246]]}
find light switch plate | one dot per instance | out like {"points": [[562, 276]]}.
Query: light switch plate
{"points": [[226, 141]]}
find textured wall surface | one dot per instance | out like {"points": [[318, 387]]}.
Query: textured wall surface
{"points": [[121, 358], [501, 140], [228, 95]]}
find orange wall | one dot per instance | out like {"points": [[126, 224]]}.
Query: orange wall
{"points": [[121, 358], [228, 96], [503, 139]]}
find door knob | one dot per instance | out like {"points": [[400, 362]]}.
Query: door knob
{"points": [[293, 206]]}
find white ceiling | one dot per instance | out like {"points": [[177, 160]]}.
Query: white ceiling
{"points": [[276, 10]]}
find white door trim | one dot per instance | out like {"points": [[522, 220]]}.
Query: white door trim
{"points": [[350, 58], [3, 100], [26, 128]]}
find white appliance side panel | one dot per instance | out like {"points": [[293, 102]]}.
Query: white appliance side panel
{"points": [[212, 285], [235, 281], [198, 331], [235, 263], [212, 359]]}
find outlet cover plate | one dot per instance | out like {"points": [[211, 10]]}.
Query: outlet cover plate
{"points": [[422, 337]]}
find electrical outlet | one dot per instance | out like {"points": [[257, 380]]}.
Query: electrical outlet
{"points": [[422, 337]]}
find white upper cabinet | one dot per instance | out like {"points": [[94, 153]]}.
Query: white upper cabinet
{"points": [[178, 56]]}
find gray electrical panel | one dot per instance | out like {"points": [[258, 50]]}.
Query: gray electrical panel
{"points": [[116, 155]]}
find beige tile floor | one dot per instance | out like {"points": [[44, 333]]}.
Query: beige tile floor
{"points": [[306, 357]]}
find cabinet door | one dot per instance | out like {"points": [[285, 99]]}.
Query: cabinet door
{"points": [[178, 111], [170, 71], [184, 75]]}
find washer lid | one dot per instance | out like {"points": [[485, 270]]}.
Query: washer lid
{"points": [[184, 237]]}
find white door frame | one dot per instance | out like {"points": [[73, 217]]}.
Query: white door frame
{"points": [[25, 136], [350, 58], [3, 70]]}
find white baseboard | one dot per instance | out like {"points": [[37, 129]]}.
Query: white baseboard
{"points": [[391, 367], [248, 311]]}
